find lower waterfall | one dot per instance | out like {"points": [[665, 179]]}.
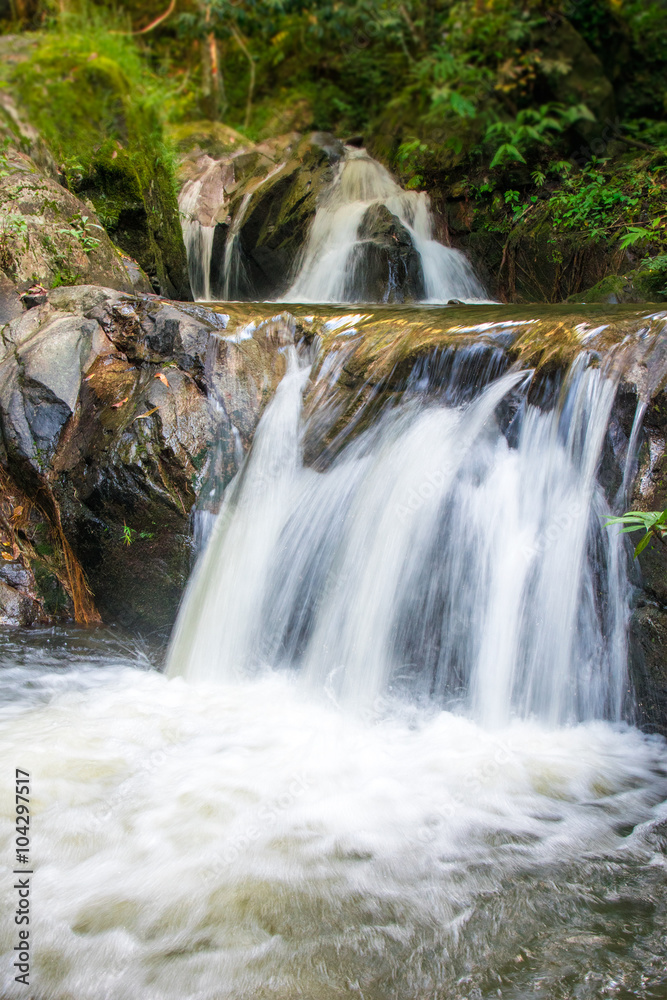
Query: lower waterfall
{"points": [[393, 755], [439, 555]]}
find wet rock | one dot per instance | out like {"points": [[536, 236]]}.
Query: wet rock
{"points": [[119, 413], [386, 266], [14, 606], [260, 202]]}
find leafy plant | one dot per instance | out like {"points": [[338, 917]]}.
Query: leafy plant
{"points": [[652, 523], [531, 129], [79, 227], [130, 535], [13, 227]]}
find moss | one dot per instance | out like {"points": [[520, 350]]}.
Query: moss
{"points": [[56, 601], [106, 133]]}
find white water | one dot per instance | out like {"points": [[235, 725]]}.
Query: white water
{"points": [[242, 841], [364, 786], [198, 240], [329, 270], [431, 557], [327, 273]]}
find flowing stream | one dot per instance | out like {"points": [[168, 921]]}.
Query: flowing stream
{"points": [[332, 268], [333, 265], [392, 754]]}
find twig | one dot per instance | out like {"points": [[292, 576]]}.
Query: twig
{"points": [[251, 87], [154, 24]]}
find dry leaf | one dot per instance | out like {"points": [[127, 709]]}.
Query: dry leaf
{"points": [[146, 414], [163, 379], [8, 556], [117, 406], [17, 511]]}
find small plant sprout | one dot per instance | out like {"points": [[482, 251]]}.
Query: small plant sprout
{"points": [[653, 523], [79, 226]]}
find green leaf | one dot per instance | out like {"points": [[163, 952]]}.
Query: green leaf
{"points": [[507, 152], [461, 105], [642, 545]]}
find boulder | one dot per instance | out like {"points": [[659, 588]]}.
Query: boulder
{"points": [[120, 413], [386, 266], [273, 223], [260, 202], [110, 156], [50, 236]]}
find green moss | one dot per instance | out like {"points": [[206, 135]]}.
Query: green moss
{"points": [[92, 99], [56, 601]]}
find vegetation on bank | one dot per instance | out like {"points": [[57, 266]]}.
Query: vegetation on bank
{"points": [[539, 123]]}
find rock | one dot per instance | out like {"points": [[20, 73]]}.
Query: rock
{"points": [[123, 180], [274, 225], [11, 306], [119, 413], [260, 202], [386, 266], [215, 139], [572, 73], [648, 664], [14, 608], [45, 239], [613, 289]]}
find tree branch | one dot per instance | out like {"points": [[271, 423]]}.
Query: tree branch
{"points": [[158, 20], [251, 86]]}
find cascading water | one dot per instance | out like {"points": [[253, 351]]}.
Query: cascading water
{"points": [[433, 556], [395, 766], [198, 240], [330, 270], [335, 265]]}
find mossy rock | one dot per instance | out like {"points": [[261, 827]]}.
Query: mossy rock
{"points": [[277, 219], [647, 283], [213, 138], [572, 74], [110, 149], [535, 262], [614, 289]]}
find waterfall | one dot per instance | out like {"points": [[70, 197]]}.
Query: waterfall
{"points": [[328, 272], [413, 782], [343, 260], [440, 556], [198, 240]]}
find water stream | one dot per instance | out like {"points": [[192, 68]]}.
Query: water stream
{"points": [[392, 754], [332, 266]]}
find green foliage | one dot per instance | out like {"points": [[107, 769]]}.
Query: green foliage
{"points": [[652, 523], [79, 227], [597, 200], [13, 228], [130, 535]]}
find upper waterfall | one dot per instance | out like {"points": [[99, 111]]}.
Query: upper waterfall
{"points": [[340, 232], [346, 260]]}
